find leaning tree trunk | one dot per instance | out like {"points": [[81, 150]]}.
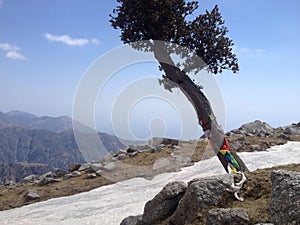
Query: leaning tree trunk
{"points": [[212, 130]]}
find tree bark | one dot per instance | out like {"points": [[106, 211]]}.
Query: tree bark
{"points": [[203, 109]]}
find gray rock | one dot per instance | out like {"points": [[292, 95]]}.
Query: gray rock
{"points": [[131, 220], [83, 167], [32, 194], [29, 179], [59, 172], [47, 175], [46, 180], [285, 198], [232, 216], [95, 167], [283, 136], [73, 166], [291, 130], [257, 128], [156, 141], [90, 176], [76, 174], [68, 176], [131, 149], [201, 194], [164, 203], [133, 154], [121, 156], [99, 172]]}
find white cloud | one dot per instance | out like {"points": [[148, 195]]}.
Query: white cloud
{"points": [[9, 47], [12, 51], [95, 41], [15, 55], [67, 39]]}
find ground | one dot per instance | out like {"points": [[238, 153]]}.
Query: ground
{"points": [[256, 191]]}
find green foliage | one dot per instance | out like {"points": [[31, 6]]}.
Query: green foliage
{"points": [[168, 20]]}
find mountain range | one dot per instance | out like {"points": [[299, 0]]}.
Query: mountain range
{"points": [[31, 121], [32, 145]]}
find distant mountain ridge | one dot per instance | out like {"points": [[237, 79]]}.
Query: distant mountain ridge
{"points": [[31, 121], [31, 145]]}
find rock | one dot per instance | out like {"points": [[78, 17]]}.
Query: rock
{"points": [[83, 167], [32, 194], [95, 167], [122, 151], [11, 184], [201, 194], [76, 174], [131, 220], [257, 128], [90, 176], [291, 130], [285, 198], [232, 216], [131, 149], [283, 136], [68, 176], [109, 166], [156, 141], [121, 156], [47, 180], [133, 154], [164, 203], [99, 172], [47, 175], [73, 166], [29, 179], [59, 172]]}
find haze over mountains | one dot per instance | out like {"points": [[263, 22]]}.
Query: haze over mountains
{"points": [[33, 145]]}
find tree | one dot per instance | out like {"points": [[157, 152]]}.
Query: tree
{"points": [[161, 21]]}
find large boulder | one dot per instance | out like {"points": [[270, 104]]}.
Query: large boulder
{"points": [[292, 130], [164, 203], [201, 194], [131, 220], [232, 216], [285, 199], [257, 128]]}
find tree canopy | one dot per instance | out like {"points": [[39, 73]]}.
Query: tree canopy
{"points": [[174, 21]]}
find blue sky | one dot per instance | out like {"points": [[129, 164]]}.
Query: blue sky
{"points": [[46, 47]]}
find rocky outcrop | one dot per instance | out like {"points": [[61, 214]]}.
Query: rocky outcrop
{"points": [[207, 201], [164, 203], [200, 195], [285, 199], [232, 216], [257, 128]]}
